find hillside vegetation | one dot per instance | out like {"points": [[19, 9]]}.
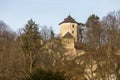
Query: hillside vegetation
{"points": [[34, 53]]}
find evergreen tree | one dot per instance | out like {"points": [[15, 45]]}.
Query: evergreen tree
{"points": [[93, 31], [52, 34], [31, 41]]}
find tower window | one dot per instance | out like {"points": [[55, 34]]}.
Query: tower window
{"points": [[73, 26], [72, 32]]}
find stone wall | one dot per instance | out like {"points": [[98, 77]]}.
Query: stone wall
{"points": [[71, 28]]}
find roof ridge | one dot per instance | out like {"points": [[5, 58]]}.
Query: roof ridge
{"points": [[68, 35], [69, 19]]}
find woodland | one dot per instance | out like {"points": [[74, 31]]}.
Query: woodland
{"points": [[35, 52]]}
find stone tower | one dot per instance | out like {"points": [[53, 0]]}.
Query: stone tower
{"points": [[69, 25], [68, 40]]}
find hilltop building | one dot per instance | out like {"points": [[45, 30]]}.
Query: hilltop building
{"points": [[69, 32], [69, 25]]}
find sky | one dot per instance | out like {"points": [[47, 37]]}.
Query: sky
{"points": [[16, 13]]}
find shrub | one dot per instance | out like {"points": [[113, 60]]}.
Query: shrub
{"points": [[40, 74]]}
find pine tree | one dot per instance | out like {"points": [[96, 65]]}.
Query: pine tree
{"points": [[52, 34], [31, 41], [93, 31]]}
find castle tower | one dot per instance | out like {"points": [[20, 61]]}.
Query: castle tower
{"points": [[71, 26], [68, 41]]}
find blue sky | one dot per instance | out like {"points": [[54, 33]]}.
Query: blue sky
{"points": [[16, 13]]}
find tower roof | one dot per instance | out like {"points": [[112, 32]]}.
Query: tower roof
{"points": [[68, 35], [69, 19]]}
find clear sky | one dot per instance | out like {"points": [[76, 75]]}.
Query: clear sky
{"points": [[16, 13]]}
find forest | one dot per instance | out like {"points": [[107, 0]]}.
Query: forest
{"points": [[35, 52]]}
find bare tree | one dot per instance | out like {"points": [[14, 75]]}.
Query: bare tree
{"points": [[45, 32]]}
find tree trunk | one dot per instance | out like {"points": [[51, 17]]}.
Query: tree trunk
{"points": [[117, 71], [31, 61]]}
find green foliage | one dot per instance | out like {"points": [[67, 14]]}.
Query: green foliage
{"points": [[30, 43], [52, 34], [92, 21], [94, 31], [31, 39], [40, 74]]}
